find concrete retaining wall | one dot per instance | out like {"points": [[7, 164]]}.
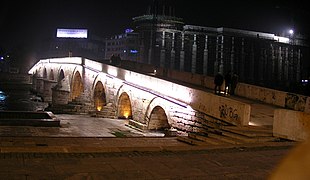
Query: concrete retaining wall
{"points": [[293, 125]]}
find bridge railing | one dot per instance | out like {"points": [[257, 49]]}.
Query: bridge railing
{"points": [[282, 99]]}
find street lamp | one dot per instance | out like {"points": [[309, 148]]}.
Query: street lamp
{"points": [[291, 35], [291, 32]]}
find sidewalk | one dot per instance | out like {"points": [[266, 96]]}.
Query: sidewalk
{"points": [[261, 113], [82, 133], [233, 163], [85, 147], [78, 126]]}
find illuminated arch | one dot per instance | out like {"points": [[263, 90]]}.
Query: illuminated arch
{"points": [[158, 119], [99, 96], [77, 87], [124, 107]]}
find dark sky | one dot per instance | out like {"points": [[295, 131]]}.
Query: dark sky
{"points": [[23, 23]]}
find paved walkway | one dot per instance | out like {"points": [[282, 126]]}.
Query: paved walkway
{"points": [[82, 133], [99, 148], [79, 126], [233, 163], [261, 113], [94, 134]]}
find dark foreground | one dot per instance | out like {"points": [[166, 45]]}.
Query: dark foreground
{"points": [[154, 158]]}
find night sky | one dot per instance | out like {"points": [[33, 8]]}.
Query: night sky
{"points": [[25, 23]]}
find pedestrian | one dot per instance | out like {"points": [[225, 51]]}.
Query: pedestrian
{"points": [[234, 82], [113, 59], [118, 60], [227, 83], [218, 81]]}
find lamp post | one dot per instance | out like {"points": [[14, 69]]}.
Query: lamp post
{"points": [[291, 36], [291, 32]]}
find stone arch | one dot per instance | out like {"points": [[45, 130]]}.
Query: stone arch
{"points": [[124, 109], [61, 75], [99, 96], [77, 87], [40, 72], [44, 73], [158, 119], [51, 76]]}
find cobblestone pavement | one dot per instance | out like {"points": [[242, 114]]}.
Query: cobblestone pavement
{"points": [[228, 163]]}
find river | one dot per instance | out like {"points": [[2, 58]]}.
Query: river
{"points": [[19, 97]]}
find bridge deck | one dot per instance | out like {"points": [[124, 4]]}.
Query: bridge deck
{"points": [[261, 113]]}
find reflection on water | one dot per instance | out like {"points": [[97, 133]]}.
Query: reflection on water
{"points": [[20, 100]]}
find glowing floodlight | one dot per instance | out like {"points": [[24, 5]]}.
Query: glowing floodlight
{"points": [[291, 31], [99, 108]]}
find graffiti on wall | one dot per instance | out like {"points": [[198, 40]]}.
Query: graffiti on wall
{"points": [[228, 113], [307, 107], [295, 102]]}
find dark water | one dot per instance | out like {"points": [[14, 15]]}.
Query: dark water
{"points": [[19, 98]]}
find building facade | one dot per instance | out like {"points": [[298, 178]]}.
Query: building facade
{"points": [[258, 58], [126, 46]]}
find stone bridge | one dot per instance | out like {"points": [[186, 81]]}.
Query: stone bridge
{"points": [[149, 102]]}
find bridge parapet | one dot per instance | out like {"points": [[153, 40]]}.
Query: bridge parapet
{"points": [[282, 99], [225, 109]]}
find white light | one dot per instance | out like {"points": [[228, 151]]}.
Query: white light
{"points": [[93, 65], [112, 71], [67, 60], [71, 33], [165, 88], [291, 31], [281, 39]]}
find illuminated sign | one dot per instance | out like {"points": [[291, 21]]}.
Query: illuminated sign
{"points": [[133, 51], [71, 33], [128, 30]]}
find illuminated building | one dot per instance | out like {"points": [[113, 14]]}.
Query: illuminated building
{"points": [[258, 58], [125, 45]]}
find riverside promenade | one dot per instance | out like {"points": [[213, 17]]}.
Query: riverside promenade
{"points": [[85, 147]]}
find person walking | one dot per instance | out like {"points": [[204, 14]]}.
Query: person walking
{"points": [[113, 59], [234, 82], [227, 83], [218, 81]]}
